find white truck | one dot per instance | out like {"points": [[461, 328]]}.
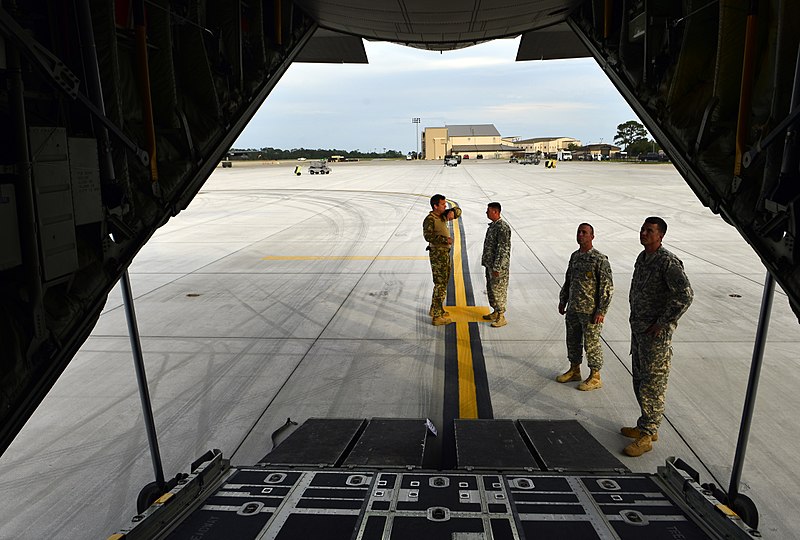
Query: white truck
{"points": [[319, 167], [564, 155]]}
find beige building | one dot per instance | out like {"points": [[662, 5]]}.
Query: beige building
{"points": [[467, 140], [597, 151], [435, 144], [547, 145]]}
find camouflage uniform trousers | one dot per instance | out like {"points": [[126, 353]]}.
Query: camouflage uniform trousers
{"points": [[440, 268], [651, 360], [583, 334], [497, 290]]}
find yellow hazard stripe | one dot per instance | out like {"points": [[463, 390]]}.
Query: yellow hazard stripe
{"points": [[467, 397], [344, 258], [164, 498], [726, 510]]}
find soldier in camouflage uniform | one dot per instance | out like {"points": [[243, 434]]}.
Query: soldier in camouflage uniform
{"points": [[584, 298], [496, 258], [660, 294], [436, 231]]}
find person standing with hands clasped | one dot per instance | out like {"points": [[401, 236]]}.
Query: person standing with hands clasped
{"points": [[660, 294], [436, 232], [584, 298], [496, 259]]}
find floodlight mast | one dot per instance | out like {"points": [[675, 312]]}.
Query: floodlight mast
{"points": [[416, 121]]}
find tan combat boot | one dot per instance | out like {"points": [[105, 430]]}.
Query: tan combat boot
{"points": [[439, 321], [639, 446], [592, 382], [430, 313], [499, 321], [634, 433], [572, 374], [490, 316]]}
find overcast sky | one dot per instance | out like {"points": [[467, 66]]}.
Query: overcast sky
{"points": [[369, 107]]}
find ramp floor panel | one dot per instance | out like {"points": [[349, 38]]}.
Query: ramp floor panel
{"points": [[316, 442], [565, 445], [390, 442], [408, 506], [491, 444]]}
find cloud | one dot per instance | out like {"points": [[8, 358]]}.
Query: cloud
{"points": [[398, 61], [515, 110], [392, 56], [370, 106]]}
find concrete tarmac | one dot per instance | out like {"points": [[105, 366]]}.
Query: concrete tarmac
{"points": [[276, 296]]}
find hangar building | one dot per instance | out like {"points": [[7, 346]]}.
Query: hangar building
{"points": [[467, 140]]}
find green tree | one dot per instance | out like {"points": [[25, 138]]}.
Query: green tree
{"points": [[629, 133], [643, 146]]}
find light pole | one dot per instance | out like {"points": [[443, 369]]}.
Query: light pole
{"points": [[416, 121]]}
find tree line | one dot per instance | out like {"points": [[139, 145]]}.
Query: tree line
{"points": [[308, 153]]}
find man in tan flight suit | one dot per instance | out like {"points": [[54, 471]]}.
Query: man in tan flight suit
{"points": [[436, 231]]}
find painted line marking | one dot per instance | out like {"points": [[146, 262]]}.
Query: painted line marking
{"points": [[462, 315], [344, 258], [468, 314]]}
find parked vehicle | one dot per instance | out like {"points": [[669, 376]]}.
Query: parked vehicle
{"points": [[451, 162], [513, 159], [564, 155], [319, 167], [653, 156]]}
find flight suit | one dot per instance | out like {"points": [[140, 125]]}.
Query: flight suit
{"points": [[436, 231]]}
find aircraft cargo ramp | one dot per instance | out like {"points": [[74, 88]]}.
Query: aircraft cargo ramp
{"points": [[524, 479]]}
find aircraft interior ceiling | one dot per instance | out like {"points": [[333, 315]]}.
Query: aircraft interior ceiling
{"points": [[115, 114]]}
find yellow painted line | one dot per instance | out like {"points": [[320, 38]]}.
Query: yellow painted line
{"points": [[344, 258], [467, 397], [468, 314]]}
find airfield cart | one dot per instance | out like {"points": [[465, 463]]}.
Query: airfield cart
{"points": [[319, 167]]}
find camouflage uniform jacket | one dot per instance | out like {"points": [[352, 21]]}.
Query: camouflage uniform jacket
{"points": [[436, 231], [588, 285], [660, 291], [497, 247]]}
